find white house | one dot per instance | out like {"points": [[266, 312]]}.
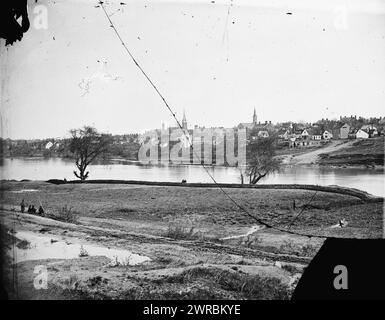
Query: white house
{"points": [[316, 136], [327, 135], [370, 129], [305, 133], [283, 134], [297, 134], [315, 133], [263, 134], [361, 134]]}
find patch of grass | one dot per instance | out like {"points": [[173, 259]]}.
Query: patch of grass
{"points": [[290, 268], [116, 262], [23, 244], [178, 231], [309, 250], [243, 285], [95, 281], [250, 241], [182, 230], [148, 293], [361, 152], [163, 260], [66, 214], [126, 210], [288, 247], [72, 282]]}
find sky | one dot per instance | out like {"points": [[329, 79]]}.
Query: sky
{"points": [[215, 61]]}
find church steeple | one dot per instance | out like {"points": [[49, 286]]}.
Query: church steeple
{"points": [[255, 117], [184, 121]]}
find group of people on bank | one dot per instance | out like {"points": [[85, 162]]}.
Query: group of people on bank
{"points": [[31, 208]]}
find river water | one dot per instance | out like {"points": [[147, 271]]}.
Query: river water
{"points": [[370, 180]]}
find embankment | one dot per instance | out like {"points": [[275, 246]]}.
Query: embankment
{"points": [[364, 196]]}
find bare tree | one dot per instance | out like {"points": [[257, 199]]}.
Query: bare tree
{"points": [[86, 145], [261, 159]]}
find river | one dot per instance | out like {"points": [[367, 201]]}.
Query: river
{"points": [[372, 181]]}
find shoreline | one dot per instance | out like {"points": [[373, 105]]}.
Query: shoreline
{"points": [[361, 194], [113, 161]]}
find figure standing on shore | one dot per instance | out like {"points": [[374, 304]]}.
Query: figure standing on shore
{"points": [[41, 210], [22, 206]]}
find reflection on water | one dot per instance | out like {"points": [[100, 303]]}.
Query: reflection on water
{"points": [[369, 180], [42, 247]]}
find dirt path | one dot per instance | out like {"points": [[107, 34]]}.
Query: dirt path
{"points": [[86, 234], [312, 156]]}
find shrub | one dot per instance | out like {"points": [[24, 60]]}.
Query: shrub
{"points": [[288, 247], [251, 241], [83, 252], [290, 268], [23, 244], [66, 214], [178, 231]]}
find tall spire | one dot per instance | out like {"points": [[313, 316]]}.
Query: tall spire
{"points": [[255, 117], [184, 121]]}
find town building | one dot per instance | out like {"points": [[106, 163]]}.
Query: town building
{"points": [[370, 129], [362, 134], [256, 129], [341, 130], [315, 133], [327, 135]]}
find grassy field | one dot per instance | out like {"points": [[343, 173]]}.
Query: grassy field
{"points": [[202, 208], [195, 237], [366, 152]]}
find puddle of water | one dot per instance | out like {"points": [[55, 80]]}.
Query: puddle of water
{"points": [[24, 190], [42, 247], [252, 230]]}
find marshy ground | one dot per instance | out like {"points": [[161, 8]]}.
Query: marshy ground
{"points": [[200, 245]]}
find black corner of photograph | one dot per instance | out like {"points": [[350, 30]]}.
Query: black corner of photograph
{"points": [[192, 159]]}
